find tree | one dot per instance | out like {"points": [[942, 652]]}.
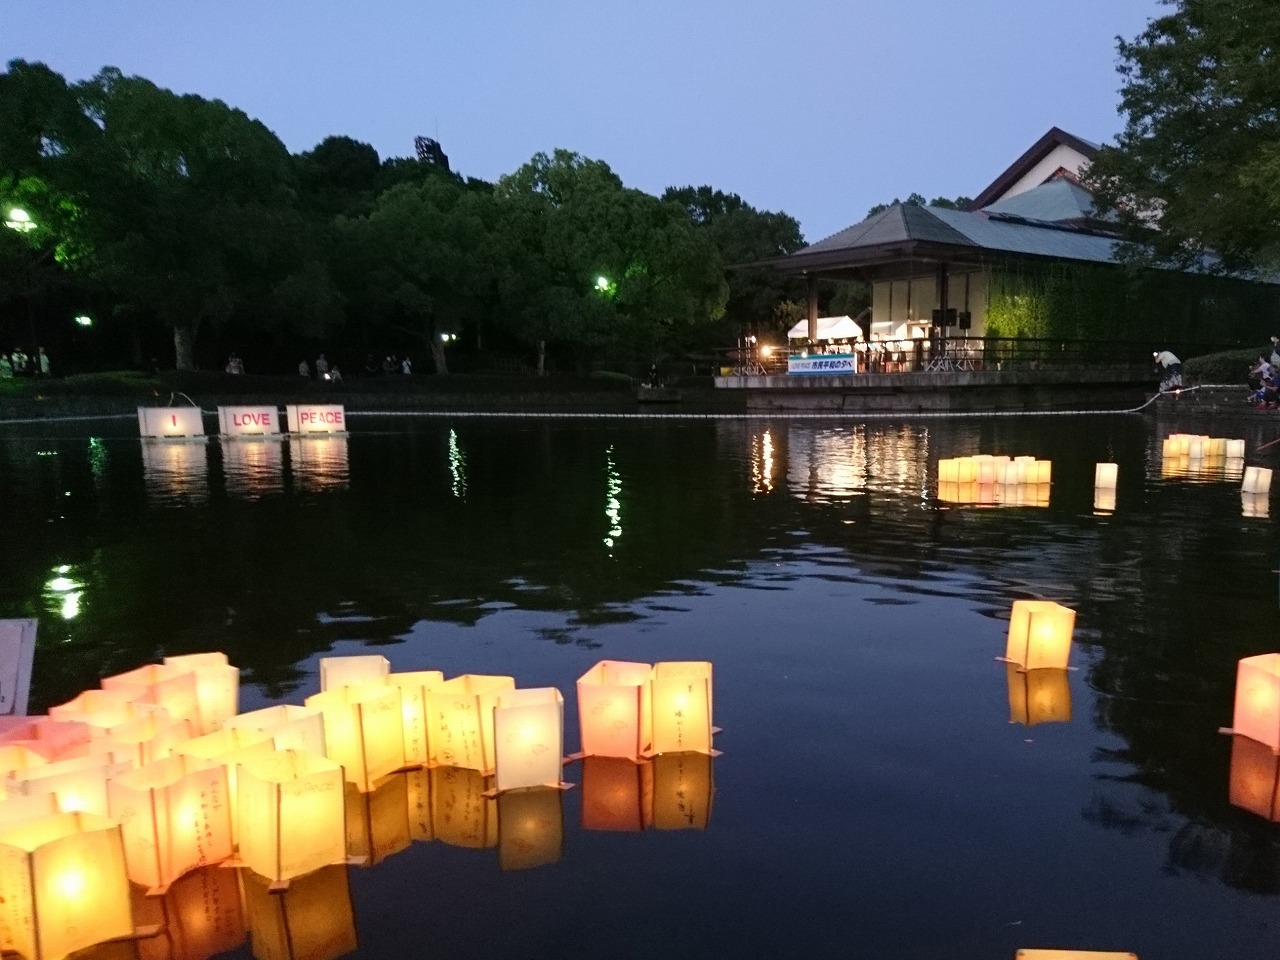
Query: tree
{"points": [[918, 200], [1199, 156], [340, 175]]}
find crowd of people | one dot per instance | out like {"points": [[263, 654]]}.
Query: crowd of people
{"points": [[324, 370], [18, 363]]}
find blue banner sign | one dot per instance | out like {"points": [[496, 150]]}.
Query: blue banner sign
{"points": [[823, 363]]}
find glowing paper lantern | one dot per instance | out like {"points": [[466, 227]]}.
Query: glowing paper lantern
{"points": [[1104, 501], [460, 720], [147, 740], [290, 727], [248, 421], [1038, 696], [352, 671], [1257, 707], [171, 688], [528, 729], [1105, 475], [291, 816], [363, 731], [413, 711], [680, 707], [173, 821], [1255, 778], [1257, 480], [79, 783], [617, 795], [316, 418], [200, 917], [104, 710], [1235, 449], [1040, 634], [225, 750], [20, 809], [62, 885], [377, 820], [217, 686], [19, 757], [683, 786], [463, 812], [48, 737], [948, 471], [612, 709], [312, 920], [530, 828]]}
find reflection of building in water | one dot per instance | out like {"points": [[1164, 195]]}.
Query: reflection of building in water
{"points": [[1038, 696], [377, 821], [253, 468], [530, 827], [1255, 778], [175, 471], [762, 462], [312, 919], [319, 464], [461, 814], [835, 463], [199, 916]]}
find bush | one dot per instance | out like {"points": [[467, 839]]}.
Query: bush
{"points": [[1229, 366]]}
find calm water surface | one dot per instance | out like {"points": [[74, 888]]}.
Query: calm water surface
{"points": [[873, 798]]}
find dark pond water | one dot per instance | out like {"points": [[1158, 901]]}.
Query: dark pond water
{"points": [[873, 798]]}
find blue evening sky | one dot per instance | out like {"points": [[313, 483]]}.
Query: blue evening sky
{"points": [[819, 109]]}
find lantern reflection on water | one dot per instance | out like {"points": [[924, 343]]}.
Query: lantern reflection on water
{"points": [[530, 828], [1255, 778], [528, 730], [417, 785], [312, 920], [253, 469], [176, 472], [363, 731], [62, 885], [291, 817], [1040, 634], [413, 711], [680, 707], [1038, 696], [1257, 704], [617, 794], [460, 720], [199, 917], [1255, 505], [683, 787], [377, 820], [612, 715], [463, 813]]}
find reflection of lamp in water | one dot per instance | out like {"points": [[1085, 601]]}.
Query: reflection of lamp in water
{"points": [[680, 707], [200, 917], [1038, 696], [1257, 706], [63, 886], [363, 730], [378, 820], [217, 685], [611, 714], [312, 920], [682, 789], [461, 813], [413, 711], [460, 720], [528, 735], [353, 671], [291, 814], [1040, 634], [530, 828], [1255, 777], [617, 794]]}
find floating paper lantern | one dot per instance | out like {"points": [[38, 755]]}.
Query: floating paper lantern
{"points": [[377, 820], [316, 418], [530, 828], [248, 421], [353, 671], [1105, 475], [217, 686], [19, 809], [104, 710], [1235, 450], [617, 794], [79, 783], [225, 749], [170, 422], [1104, 501], [291, 816], [682, 790], [611, 709], [1257, 480], [147, 740], [680, 707], [413, 711], [51, 738], [1257, 707], [15, 757], [460, 720], [173, 821], [1038, 696], [62, 885], [313, 919], [363, 731], [1040, 634], [948, 471], [290, 727], [199, 916], [528, 731], [170, 688], [463, 812], [1255, 778]]}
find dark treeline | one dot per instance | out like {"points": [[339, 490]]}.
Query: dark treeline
{"points": [[184, 229]]}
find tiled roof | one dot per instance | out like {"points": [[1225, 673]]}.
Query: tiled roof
{"points": [[1055, 201]]}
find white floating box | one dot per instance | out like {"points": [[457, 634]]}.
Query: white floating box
{"points": [[248, 421], [1105, 475], [528, 733], [1257, 480], [316, 418], [356, 671], [165, 423]]}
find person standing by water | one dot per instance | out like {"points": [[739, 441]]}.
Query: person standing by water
{"points": [[304, 370], [1170, 370], [322, 367], [42, 362]]}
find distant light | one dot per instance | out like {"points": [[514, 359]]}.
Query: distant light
{"points": [[20, 220], [84, 320], [765, 350]]}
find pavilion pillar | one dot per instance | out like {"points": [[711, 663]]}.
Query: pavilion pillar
{"points": [[813, 308], [944, 297]]}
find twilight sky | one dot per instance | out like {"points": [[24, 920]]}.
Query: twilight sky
{"points": [[819, 109]]}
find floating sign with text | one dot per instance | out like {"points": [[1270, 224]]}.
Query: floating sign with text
{"points": [[248, 421], [316, 418], [170, 422], [829, 363]]}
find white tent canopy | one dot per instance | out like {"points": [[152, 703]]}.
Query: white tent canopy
{"points": [[829, 328]]}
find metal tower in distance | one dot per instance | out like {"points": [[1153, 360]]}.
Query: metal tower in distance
{"points": [[430, 151]]}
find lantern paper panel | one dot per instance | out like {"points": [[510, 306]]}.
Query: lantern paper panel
{"points": [[1255, 778], [171, 688], [463, 812], [530, 828], [314, 919], [14, 757], [1040, 634], [200, 917], [172, 820], [413, 706], [528, 729], [62, 886], [1257, 706], [377, 820], [290, 727], [1257, 480], [291, 816], [225, 750], [418, 804], [617, 794], [363, 730], [105, 710], [19, 809], [683, 786], [147, 740], [217, 686], [612, 709], [360, 671], [680, 707], [51, 738], [1038, 696], [79, 784], [1105, 476], [460, 720]]}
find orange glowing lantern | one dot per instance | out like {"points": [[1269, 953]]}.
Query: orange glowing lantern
{"points": [[1038, 696], [62, 886], [363, 730], [1255, 778], [463, 812], [291, 817], [104, 710], [147, 740], [200, 917], [352, 671], [1040, 634], [460, 720], [413, 711], [530, 828], [20, 809], [617, 794], [611, 709], [528, 731], [312, 920], [15, 757], [79, 783], [225, 749], [1105, 476], [290, 727], [1257, 708], [1257, 480], [683, 786], [948, 471], [52, 739], [173, 821], [170, 688], [217, 686], [377, 820], [680, 707]]}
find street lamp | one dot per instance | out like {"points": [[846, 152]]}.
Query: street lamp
{"points": [[84, 320], [20, 220]]}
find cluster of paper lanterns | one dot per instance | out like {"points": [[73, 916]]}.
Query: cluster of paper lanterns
{"points": [[156, 775], [1200, 457], [995, 480]]}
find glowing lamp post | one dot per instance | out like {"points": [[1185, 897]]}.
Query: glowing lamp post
{"points": [[530, 828], [291, 816], [611, 709], [1257, 707], [528, 732], [363, 731], [217, 686], [1040, 634], [680, 707], [352, 671], [413, 711], [1038, 696], [62, 886], [460, 720]]}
